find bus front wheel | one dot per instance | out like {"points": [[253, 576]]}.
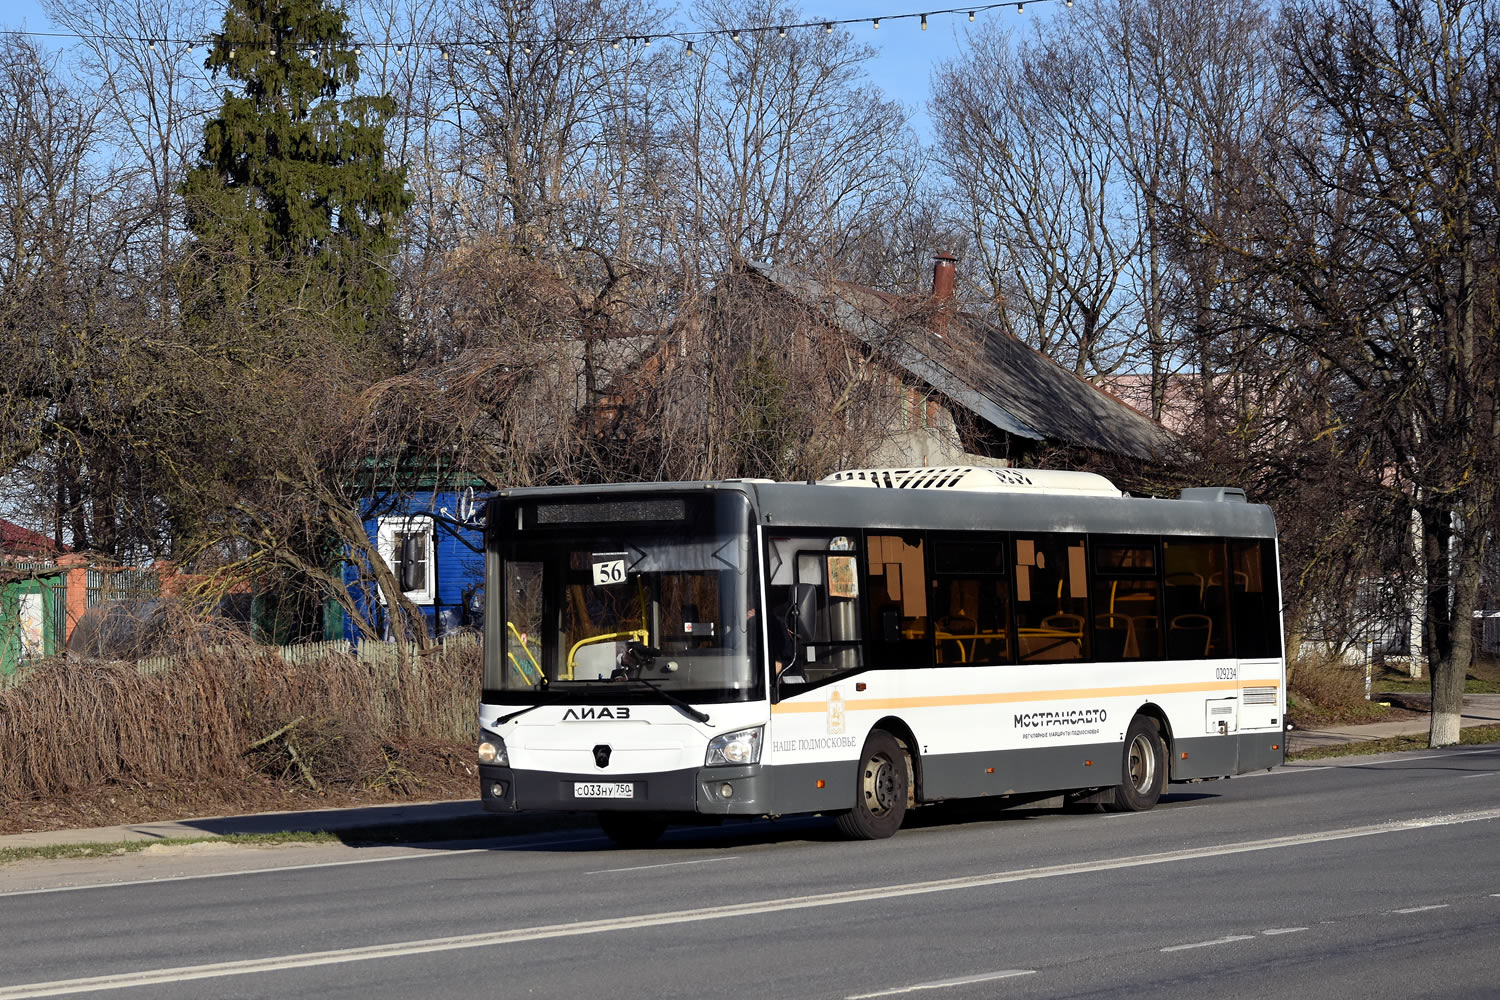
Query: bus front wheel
{"points": [[880, 790], [1143, 768], [633, 829]]}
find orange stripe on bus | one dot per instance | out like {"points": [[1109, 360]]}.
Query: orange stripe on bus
{"points": [[961, 700]]}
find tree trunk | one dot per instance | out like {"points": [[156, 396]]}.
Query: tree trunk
{"points": [[1450, 670]]}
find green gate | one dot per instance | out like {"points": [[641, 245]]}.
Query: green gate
{"points": [[32, 616]]}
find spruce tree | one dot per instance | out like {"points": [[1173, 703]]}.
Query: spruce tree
{"points": [[292, 204]]}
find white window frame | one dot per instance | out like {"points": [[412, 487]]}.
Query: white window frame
{"points": [[393, 528]]}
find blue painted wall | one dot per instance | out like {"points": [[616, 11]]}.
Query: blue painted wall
{"points": [[459, 570]]}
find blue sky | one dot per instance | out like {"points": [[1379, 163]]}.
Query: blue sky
{"points": [[903, 68]]}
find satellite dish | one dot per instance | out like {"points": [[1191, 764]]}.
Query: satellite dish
{"points": [[466, 504]]}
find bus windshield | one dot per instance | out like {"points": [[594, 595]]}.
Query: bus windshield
{"points": [[602, 609]]}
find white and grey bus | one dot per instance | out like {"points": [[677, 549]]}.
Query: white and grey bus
{"points": [[871, 642]]}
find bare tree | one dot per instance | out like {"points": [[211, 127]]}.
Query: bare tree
{"points": [[72, 330], [140, 56], [787, 153], [1373, 253], [1045, 195]]}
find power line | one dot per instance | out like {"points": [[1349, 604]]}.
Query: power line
{"points": [[569, 44]]}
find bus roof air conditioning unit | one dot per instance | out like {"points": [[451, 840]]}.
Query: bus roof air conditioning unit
{"points": [[979, 479]]}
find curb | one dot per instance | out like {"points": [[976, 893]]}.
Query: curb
{"points": [[428, 822]]}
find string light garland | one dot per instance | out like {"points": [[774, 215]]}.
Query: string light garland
{"points": [[446, 47]]}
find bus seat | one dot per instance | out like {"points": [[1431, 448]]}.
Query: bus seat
{"points": [[1113, 639], [1189, 636]]}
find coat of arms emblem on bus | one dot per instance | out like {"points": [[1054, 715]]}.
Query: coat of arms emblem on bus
{"points": [[835, 712]]}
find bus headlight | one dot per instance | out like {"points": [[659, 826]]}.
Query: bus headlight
{"points": [[492, 751], [742, 747]]}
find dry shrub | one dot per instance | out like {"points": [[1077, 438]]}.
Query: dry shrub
{"points": [[211, 705], [1323, 689]]}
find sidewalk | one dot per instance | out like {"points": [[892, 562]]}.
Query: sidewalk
{"points": [[1479, 710], [406, 821]]}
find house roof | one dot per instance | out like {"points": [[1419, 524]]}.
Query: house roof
{"points": [[16, 540], [1003, 382]]}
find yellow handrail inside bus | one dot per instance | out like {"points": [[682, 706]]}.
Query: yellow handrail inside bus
{"points": [[532, 675], [638, 635]]}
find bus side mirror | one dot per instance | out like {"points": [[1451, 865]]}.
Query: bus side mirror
{"points": [[804, 611]]}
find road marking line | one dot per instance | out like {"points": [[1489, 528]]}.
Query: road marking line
{"points": [[668, 864], [1421, 909], [396, 949], [1402, 758], [1485, 774], [982, 977], [1272, 931], [1208, 944]]}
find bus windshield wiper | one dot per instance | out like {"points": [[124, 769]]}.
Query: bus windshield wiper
{"points": [[673, 699], [517, 714], [522, 711]]}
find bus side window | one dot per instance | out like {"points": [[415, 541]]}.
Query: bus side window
{"points": [[897, 602], [1254, 599], [971, 601], [1196, 612], [1127, 600], [820, 575], [1051, 598]]}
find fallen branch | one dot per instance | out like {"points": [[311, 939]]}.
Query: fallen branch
{"points": [[267, 739]]}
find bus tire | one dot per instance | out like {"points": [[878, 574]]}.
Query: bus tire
{"points": [[881, 790], [1143, 768], [633, 829]]}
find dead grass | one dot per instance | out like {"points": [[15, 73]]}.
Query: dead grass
{"points": [[221, 722], [1323, 692], [1482, 677]]}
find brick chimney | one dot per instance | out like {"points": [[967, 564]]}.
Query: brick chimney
{"points": [[943, 271]]}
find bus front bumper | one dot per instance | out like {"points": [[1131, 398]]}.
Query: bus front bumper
{"points": [[712, 791]]}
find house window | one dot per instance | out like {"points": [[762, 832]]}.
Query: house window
{"points": [[410, 539]]}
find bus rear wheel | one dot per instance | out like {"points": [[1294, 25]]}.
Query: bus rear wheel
{"points": [[633, 829], [880, 792], [1143, 768]]}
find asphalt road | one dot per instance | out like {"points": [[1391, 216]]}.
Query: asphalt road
{"points": [[1367, 877]]}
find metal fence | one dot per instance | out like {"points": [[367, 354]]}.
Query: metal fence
{"points": [[121, 585], [1489, 638]]}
